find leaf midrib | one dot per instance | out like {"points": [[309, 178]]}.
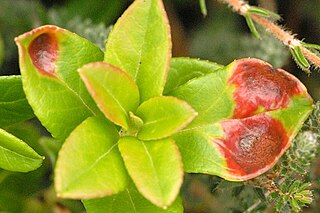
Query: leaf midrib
{"points": [[154, 170], [73, 180]]}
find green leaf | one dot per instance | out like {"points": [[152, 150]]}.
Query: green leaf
{"points": [[49, 58], [140, 44], [299, 58], [29, 132], [163, 116], [129, 201], [251, 26], [263, 12], [114, 91], [14, 106], [89, 164], [203, 7], [15, 155], [248, 114], [155, 167], [184, 69]]}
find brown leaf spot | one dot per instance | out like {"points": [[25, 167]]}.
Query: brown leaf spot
{"points": [[259, 85], [252, 145], [43, 51]]}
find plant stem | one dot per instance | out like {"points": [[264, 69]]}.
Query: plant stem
{"points": [[286, 37]]}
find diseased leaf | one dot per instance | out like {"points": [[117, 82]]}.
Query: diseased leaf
{"points": [[89, 164], [15, 155], [249, 113], [14, 106], [129, 201], [140, 44], [49, 58], [155, 167], [184, 69], [114, 91], [163, 116]]}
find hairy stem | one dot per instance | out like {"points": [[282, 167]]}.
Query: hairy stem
{"points": [[286, 37]]}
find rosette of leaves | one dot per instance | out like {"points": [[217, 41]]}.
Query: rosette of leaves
{"points": [[133, 120]]}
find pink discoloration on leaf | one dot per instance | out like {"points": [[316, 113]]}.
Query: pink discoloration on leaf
{"points": [[258, 85], [43, 51], [252, 145]]}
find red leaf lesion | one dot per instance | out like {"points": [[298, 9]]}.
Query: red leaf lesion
{"points": [[43, 51], [259, 86], [252, 145]]}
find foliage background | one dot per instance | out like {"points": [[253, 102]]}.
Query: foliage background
{"points": [[221, 37]]}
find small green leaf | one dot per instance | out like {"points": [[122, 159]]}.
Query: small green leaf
{"points": [[89, 164], [155, 167], [49, 57], [251, 26], [140, 44], [14, 106], [114, 91], [263, 12], [184, 69], [15, 155], [311, 46], [163, 116], [129, 201], [299, 58], [203, 7]]}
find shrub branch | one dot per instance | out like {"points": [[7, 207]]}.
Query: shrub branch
{"points": [[287, 38]]}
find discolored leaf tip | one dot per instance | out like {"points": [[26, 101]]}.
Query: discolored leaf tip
{"points": [[261, 87], [41, 45]]}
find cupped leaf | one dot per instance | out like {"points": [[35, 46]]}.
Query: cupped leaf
{"points": [[184, 69], [14, 106], [114, 91], [129, 201], [140, 44], [15, 155], [49, 58], [155, 167], [89, 164], [163, 116], [249, 113]]}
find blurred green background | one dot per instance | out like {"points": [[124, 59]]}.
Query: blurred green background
{"points": [[221, 36]]}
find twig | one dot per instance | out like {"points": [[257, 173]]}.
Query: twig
{"points": [[286, 37]]}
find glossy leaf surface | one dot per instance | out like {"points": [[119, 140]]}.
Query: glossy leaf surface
{"points": [[89, 164], [129, 201], [14, 106], [184, 69], [140, 44], [155, 167], [163, 116], [249, 112], [49, 58], [16, 155], [114, 91]]}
